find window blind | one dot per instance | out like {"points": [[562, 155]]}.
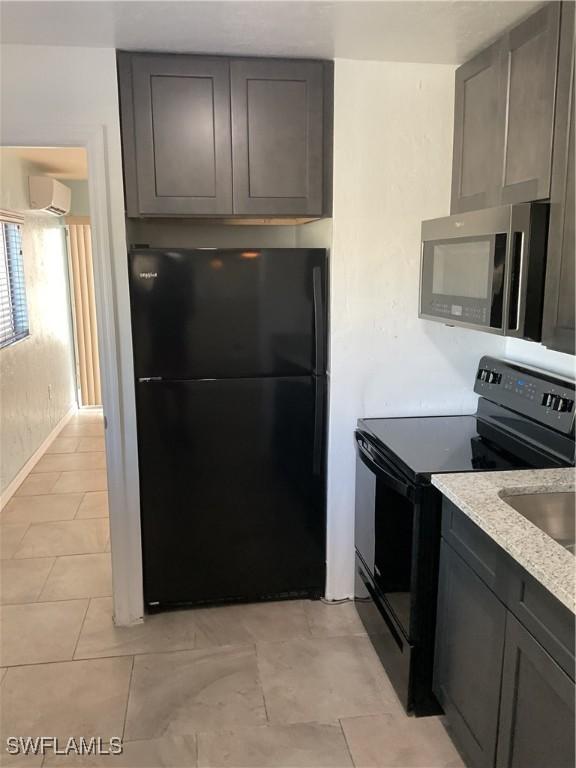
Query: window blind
{"points": [[13, 309]]}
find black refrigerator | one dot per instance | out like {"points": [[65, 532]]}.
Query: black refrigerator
{"points": [[230, 369]]}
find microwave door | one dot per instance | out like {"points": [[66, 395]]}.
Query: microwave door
{"points": [[463, 281]]}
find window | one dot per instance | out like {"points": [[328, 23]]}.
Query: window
{"points": [[13, 310]]}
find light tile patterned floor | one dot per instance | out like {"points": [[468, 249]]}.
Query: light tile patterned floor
{"points": [[274, 685]]}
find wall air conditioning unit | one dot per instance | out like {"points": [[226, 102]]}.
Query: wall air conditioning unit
{"points": [[49, 195]]}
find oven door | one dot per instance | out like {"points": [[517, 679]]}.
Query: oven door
{"points": [[462, 280], [385, 530]]}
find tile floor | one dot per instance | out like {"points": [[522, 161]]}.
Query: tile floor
{"points": [[273, 685]]}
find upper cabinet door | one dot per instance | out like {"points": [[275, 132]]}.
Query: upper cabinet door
{"points": [[478, 138], [530, 62], [176, 133], [559, 321], [277, 137]]}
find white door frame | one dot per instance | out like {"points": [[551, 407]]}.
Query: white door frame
{"points": [[117, 395]]}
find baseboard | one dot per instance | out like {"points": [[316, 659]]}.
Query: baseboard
{"points": [[13, 486]]}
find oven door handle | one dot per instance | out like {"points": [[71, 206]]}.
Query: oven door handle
{"points": [[382, 471]]}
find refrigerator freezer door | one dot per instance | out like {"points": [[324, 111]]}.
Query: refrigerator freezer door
{"points": [[228, 313], [232, 499]]}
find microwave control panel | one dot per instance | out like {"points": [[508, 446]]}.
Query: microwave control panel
{"points": [[536, 394]]}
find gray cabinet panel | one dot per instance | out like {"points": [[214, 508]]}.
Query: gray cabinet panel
{"points": [[184, 141], [277, 137], [558, 325], [529, 60], [181, 135], [550, 622], [537, 708], [468, 661], [504, 117], [478, 135]]}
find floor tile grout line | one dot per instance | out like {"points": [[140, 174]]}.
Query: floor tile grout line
{"points": [[128, 697], [65, 554], [19, 542], [116, 655], [50, 602], [88, 602], [45, 580], [62, 661], [260, 683], [348, 747], [55, 600]]}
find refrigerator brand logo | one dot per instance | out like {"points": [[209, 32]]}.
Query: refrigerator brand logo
{"points": [[148, 275]]}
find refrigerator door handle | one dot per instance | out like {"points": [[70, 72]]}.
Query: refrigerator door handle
{"points": [[319, 386], [319, 334]]}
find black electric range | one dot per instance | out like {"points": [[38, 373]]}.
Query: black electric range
{"points": [[524, 419]]}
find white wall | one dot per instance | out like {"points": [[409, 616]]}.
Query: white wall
{"points": [[392, 166], [44, 90], [80, 200], [183, 233], [540, 357], [37, 373]]}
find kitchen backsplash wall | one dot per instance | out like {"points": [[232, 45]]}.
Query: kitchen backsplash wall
{"points": [[540, 357], [392, 169], [186, 233]]}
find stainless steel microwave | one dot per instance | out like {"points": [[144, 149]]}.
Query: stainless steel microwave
{"points": [[486, 269]]}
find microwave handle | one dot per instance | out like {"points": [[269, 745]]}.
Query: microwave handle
{"points": [[516, 286], [519, 252]]}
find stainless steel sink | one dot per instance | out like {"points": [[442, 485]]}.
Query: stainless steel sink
{"points": [[553, 513]]}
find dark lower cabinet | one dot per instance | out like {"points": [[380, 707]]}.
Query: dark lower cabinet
{"points": [[469, 651], [507, 689], [537, 707]]}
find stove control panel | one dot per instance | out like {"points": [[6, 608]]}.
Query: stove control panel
{"points": [[540, 395]]}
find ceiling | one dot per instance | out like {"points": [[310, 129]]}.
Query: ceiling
{"points": [[61, 163], [435, 31]]}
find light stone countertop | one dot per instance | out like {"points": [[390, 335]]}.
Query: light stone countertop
{"points": [[478, 495]]}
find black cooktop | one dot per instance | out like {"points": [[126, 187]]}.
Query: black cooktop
{"points": [[425, 445]]}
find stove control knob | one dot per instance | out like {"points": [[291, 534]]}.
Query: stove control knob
{"points": [[562, 404], [548, 399]]}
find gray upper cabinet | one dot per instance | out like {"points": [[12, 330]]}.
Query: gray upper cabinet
{"points": [[220, 137], [558, 323], [530, 62], [176, 132], [504, 117], [478, 138], [537, 706], [277, 137]]}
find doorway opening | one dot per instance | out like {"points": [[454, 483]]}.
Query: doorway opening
{"points": [[48, 188], [54, 478]]}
